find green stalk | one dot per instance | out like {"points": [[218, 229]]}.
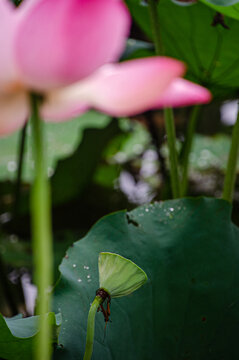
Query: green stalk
{"points": [[19, 170], [153, 12], [230, 178], [168, 113], [173, 157], [91, 327], [42, 235], [187, 148]]}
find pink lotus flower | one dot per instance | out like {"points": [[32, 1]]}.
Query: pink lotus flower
{"points": [[62, 50]]}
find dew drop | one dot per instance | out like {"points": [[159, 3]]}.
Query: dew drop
{"points": [[79, 280], [86, 267], [74, 265]]}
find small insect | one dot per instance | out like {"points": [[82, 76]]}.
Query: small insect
{"points": [[219, 20], [106, 311]]}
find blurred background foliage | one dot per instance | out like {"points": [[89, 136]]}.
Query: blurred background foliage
{"points": [[98, 165]]}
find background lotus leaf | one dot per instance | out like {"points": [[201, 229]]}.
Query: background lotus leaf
{"points": [[18, 335], [211, 53]]}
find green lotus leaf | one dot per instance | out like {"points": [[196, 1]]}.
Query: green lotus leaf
{"points": [[119, 276], [18, 335]]}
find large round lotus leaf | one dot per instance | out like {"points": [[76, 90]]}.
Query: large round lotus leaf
{"points": [[188, 309], [211, 53]]}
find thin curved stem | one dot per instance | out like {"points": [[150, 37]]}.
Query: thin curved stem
{"points": [[42, 235], [230, 178], [19, 170], [173, 156], [168, 113], [152, 128], [91, 327], [153, 11], [187, 148]]}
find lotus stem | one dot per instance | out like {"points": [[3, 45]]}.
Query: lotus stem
{"points": [[19, 170], [188, 147], [168, 112], [230, 178], [42, 235], [173, 156], [91, 327]]}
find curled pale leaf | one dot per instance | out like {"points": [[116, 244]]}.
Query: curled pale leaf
{"points": [[119, 276]]}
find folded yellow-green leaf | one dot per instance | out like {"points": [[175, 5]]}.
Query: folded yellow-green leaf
{"points": [[119, 276]]}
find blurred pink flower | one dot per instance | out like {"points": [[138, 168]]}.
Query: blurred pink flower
{"points": [[182, 92], [62, 50]]}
